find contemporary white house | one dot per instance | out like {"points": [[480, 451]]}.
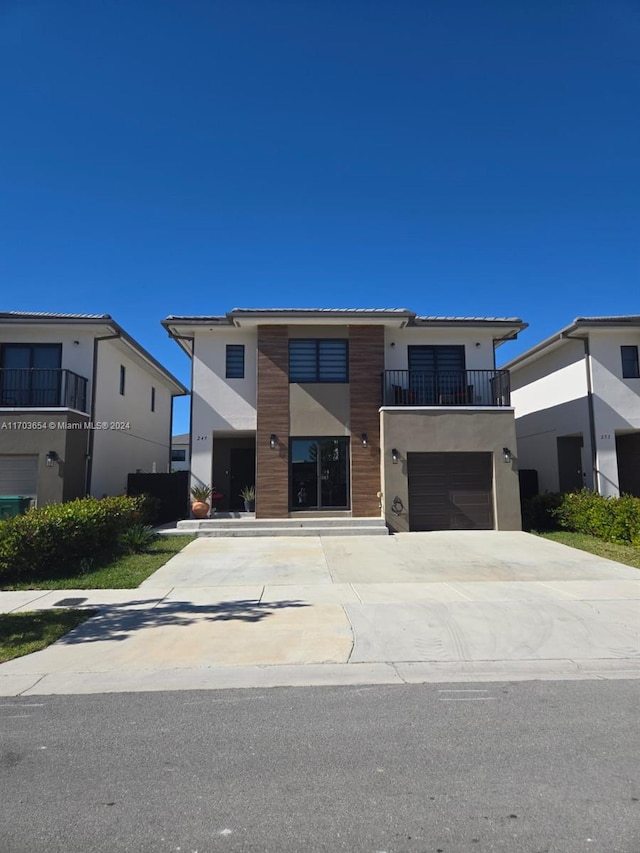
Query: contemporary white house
{"points": [[577, 402], [354, 412], [82, 405]]}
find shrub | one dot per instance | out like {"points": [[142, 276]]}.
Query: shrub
{"points": [[610, 519], [538, 511], [49, 539], [137, 538]]}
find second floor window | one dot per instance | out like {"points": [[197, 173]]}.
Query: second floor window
{"points": [[319, 360], [122, 379], [630, 364], [235, 361], [153, 399]]}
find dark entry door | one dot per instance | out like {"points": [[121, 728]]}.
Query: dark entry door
{"points": [[450, 491], [437, 374], [570, 463], [319, 473], [242, 472]]}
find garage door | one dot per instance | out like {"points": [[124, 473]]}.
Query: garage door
{"points": [[450, 491], [19, 475]]}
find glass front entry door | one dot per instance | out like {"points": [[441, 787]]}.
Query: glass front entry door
{"points": [[319, 473]]}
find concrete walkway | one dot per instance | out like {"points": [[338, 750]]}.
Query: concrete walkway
{"points": [[412, 607]]}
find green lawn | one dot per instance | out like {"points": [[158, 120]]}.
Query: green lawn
{"points": [[23, 633], [120, 572], [626, 554]]}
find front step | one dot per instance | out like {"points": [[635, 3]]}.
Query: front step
{"points": [[283, 527]]}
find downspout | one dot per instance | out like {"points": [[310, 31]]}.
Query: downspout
{"points": [[92, 416], [590, 412]]}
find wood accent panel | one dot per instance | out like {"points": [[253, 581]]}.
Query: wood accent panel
{"points": [[272, 466], [366, 363]]}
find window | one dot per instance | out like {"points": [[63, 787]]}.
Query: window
{"points": [[122, 379], [630, 365], [325, 360], [31, 374], [235, 361], [318, 473], [178, 455]]}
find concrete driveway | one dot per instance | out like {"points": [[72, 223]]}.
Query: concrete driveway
{"points": [[447, 606]]}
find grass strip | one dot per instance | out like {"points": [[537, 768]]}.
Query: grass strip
{"points": [[626, 554], [111, 571], [24, 633]]}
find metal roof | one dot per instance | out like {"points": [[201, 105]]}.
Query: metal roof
{"points": [[45, 315], [614, 321]]}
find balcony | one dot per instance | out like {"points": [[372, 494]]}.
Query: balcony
{"points": [[42, 388], [454, 388]]}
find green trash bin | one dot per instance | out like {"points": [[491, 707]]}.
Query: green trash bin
{"points": [[11, 505]]}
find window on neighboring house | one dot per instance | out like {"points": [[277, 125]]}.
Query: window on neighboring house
{"points": [[178, 455], [153, 399], [122, 379], [319, 360], [235, 361], [630, 364]]}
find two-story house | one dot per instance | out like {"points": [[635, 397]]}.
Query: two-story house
{"points": [[354, 412], [82, 405], [577, 403]]}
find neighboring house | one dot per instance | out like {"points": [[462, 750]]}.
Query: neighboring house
{"points": [[577, 401], [354, 412], [180, 452], [82, 405]]}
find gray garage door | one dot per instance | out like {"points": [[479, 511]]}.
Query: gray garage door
{"points": [[450, 491], [18, 475]]}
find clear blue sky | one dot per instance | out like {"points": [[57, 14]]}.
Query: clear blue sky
{"points": [[189, 156]]}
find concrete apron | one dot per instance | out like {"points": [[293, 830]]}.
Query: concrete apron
{"points": [[410, 608]]}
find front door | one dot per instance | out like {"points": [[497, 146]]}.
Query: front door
{"points": [[242, 472], [319, 473], [570, 463]]}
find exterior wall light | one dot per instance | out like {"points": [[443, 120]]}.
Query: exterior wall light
{"points": [[273, 441], [506, 455], [51, 458], [395, 455], [364, 439]]}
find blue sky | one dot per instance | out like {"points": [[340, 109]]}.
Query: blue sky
{"points": [[451, 156]]}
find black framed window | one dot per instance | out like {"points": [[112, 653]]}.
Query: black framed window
{"points": [[319, 360], [630, 363], [235, 361], [123, 374], [153, 399], [178, 455]]}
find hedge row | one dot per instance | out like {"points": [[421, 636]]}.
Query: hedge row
{"points": [[610, 519], [52, 538]]}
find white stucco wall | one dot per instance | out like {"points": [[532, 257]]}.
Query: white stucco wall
{"points": [[145, 443], [549, 396], [616, 401], [219, 404], [476, 357]]}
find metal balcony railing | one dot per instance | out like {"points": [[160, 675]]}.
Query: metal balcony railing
{"points": [[42, 388], [446, 388]]}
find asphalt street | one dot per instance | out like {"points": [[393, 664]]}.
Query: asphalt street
{"points": [[527, 767]]}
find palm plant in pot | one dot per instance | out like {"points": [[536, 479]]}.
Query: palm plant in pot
{"points": [[200, 504], [248, 494]]}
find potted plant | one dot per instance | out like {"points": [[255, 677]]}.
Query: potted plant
{"points": [[199, 505], [248, 494]]}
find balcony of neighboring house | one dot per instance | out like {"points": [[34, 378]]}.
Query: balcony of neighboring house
{"points": [[446, 388], [42, 388]]}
